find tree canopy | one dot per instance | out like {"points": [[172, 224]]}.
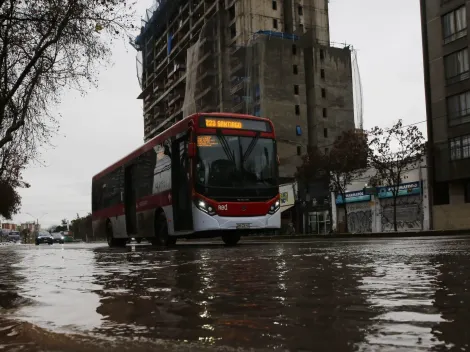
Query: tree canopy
{"points": [[47, 46], [392, 153]]}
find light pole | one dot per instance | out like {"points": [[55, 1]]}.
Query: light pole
{"points": [[37, 219]]}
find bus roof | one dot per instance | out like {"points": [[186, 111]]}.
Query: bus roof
{"points": [[176, 128]]}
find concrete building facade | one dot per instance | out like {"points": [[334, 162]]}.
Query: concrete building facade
{"points": [[266, 58], [447, 87], [374, 213]]}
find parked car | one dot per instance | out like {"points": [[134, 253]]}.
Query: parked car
{"points": [[14, 236], [44, 237]]}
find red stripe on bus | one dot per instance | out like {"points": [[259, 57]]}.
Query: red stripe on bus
{"points": [[154, 201], [115, 210], [142, 204]]}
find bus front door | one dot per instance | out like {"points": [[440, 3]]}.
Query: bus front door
{"points": [[181, 189], [130, 200]]}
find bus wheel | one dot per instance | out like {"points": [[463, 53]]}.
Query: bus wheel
{"points": [[161, 233], [231, 239], [113, 242]]}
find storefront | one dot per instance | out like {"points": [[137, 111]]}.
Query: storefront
{"points": [[375, 213]]}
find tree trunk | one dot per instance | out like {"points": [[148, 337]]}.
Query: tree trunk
{"points": [[395, 213]]}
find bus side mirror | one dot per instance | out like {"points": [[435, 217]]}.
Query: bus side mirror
{"points": [[192, 150]]}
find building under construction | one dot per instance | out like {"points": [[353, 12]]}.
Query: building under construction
{"points": [[267, 58]]}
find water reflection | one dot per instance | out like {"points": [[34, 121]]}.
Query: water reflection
{"points": [[57, 282], [452, 296], [326, 296], [294, 297], [10, 278]]}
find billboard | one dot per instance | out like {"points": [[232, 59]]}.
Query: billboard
{"points": [[353, 197], [405, 189]]}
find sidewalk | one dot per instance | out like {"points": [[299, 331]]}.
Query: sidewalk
{"points": [[434, 233]]}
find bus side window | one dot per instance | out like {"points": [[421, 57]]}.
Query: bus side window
{"points": [[97, 199], [145, 172]]}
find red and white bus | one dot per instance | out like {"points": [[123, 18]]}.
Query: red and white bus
{"points": [[210, 174]]}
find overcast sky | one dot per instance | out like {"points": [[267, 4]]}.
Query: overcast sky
{"points": [[103, 126]]}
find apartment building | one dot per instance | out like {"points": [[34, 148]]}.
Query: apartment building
{"points": [[447, 86], [267, 58]]}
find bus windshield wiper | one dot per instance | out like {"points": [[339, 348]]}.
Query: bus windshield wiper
{"points": [[225, 146], [251, 146]]}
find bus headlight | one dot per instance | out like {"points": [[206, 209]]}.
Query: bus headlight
{"points": [[275, 207], [203, 206]]}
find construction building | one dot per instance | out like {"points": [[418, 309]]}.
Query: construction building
{"points": [[266, 58], [447, 88]]}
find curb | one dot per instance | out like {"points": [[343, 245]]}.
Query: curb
{"points": [[363, 235]]}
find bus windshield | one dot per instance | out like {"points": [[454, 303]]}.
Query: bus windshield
{"points": [[236, 161]]}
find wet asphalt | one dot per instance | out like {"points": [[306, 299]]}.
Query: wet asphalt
{"points": [[403, 294]]}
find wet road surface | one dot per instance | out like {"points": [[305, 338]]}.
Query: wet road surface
{"points": [[356, 295]]}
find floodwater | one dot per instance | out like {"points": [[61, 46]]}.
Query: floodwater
{"points": [[339, 295]]}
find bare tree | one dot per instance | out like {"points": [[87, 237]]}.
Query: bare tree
{"points": [[348, 156], [46, 46], [345, 162], [393, 152]]}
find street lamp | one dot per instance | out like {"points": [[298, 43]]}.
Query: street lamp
{"points": [[37, 219]]}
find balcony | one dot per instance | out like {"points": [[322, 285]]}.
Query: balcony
{"points": [[455, 36], [456, 118], [457, 78], [239, 107], [239, 85], [176, 97], [237, 67]]}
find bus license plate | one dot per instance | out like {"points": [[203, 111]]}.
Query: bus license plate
{"points": [[243, 226]]}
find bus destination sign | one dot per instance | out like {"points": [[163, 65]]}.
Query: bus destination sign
{"points": [[234, 123], [222, 123], [207, 141]]}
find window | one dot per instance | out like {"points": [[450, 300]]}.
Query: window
{"points": [[466, 190], [454, 25], [323, 93], [297, 109], [295, 69], [322, 54], [441, 193], [233, 31], [299, 150], [322, 73], [460, 147], [298, 130], [325, 132], [274, 5], [325, 112], [458, 109], [296, 89], [231, 13], [301, 10], [456, 66], [275, 23], [294, 49]]}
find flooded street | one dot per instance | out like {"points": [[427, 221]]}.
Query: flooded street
{"points": [[356, 295]]}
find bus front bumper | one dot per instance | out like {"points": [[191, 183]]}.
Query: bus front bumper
{"points": [[205, 222]]}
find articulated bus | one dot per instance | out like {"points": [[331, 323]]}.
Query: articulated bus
{"points": [[210, 174]]}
